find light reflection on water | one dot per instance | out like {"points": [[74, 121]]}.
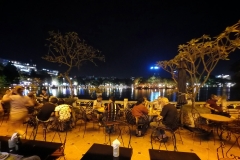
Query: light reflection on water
{"points": [[151, 94]]}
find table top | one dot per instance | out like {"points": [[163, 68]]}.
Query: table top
{"points": [[171, 155], [32, 147], [101, 109], [217, 118], [105, 152], [153, 113]]}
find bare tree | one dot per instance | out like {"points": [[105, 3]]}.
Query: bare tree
{"points": [[201, 56], [71, 51]]}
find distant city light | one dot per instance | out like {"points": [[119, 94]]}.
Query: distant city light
{"points": [[54, 83], [155, 67]]}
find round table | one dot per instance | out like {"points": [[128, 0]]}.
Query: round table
{"points": [[100, 109], [219, 120], [153, 113], [216, 118]]}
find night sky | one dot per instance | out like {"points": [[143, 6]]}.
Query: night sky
{"points": [[132, 34]]}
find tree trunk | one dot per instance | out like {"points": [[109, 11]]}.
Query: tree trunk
{"points": [[70, 85], [193, 98]]}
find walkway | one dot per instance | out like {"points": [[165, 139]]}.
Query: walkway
{"points": [[76, 145]]}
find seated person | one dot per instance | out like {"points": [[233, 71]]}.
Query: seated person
{"points": [[140, 112], [44, 95], [215, 109], [5, 105], [36, 104], [77, 112], [98, 104], [223, 103], [18, 108], [157, 104], [112, 110], [63, 114], [168, 116], [47, 110]]}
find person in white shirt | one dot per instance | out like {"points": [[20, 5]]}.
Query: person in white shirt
{"points": [[157, 104], [97, 105], [18, 108]]}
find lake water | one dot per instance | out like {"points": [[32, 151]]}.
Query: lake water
{"points": [[232, 93]]}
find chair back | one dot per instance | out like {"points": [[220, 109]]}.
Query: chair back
{"points": [[89, 108], [112, 112], [119, 105], [129, 117], [82, 104], [125, 129], [144, 119], [174, 125]]}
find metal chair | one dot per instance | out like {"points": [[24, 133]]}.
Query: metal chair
{"points": [[172, 128], [222, 155], [130, 119], [45, 126], [173, 137], [125, 129], [111, 120], [83, 117], [31, 122], [233, 131], [110, 126], [58, 154], [200, 126]]}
